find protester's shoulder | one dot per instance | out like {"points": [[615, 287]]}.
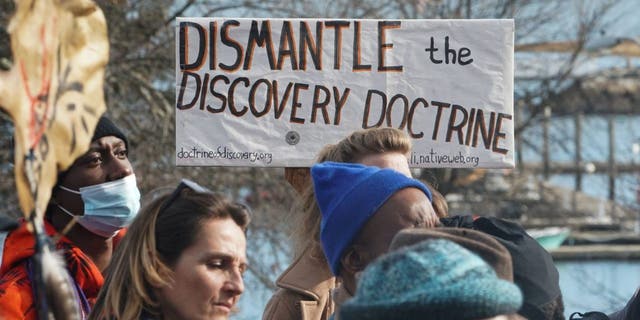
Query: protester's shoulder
{"points": [[16, 297], [283, 305], [15, 278], [16, 245]]}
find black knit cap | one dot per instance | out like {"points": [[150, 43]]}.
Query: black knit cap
{"points": [[106, 127]]}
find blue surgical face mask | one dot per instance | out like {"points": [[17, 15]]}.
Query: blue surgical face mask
{"points": [[109, 206]]}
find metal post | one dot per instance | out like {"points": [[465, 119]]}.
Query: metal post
{"points": [[545, 142], [635, 149], [612, 159], [578, 160], [518, 137], [578, 150]]}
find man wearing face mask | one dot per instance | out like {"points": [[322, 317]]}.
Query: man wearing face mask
{"points": [[92, 202]]}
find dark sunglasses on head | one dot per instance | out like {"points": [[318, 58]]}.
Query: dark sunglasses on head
{"points": [[195, 187], [184, 184]]}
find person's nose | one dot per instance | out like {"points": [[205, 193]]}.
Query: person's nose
{"points": [[118, 168], [235, 283]]}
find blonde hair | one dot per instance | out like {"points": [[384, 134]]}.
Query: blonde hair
{"points": [[153, 244], [306, 231]]}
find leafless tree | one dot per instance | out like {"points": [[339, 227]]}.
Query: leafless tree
{"points": [[140, 88]]}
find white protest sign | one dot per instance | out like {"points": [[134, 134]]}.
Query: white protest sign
{"points": [[273, 92]]}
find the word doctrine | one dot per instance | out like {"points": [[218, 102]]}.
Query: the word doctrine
{"points": [[216, 93]]}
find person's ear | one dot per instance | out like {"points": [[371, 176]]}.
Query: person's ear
{"points": [[354, 260]]}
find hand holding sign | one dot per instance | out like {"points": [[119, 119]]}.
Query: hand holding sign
{"points": [[54, 90]]}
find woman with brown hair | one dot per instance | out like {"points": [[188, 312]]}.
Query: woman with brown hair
{"points": [[183, 258]]}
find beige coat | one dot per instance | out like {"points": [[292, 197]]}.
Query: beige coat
{"points": [[304, 292]]}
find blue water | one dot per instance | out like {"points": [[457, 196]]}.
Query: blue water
{"points": [[586, 286], [598, 285]]}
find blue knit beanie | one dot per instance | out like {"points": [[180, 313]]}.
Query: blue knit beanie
{"points": [[348, 195], [435, 279]]}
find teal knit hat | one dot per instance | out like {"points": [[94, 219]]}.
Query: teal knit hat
{"points": [[435, 280]]}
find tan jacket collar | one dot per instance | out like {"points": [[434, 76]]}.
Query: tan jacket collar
{"points": [[308, 276]]}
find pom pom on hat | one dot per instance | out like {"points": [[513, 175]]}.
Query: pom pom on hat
{"points": [[348, 195]]}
